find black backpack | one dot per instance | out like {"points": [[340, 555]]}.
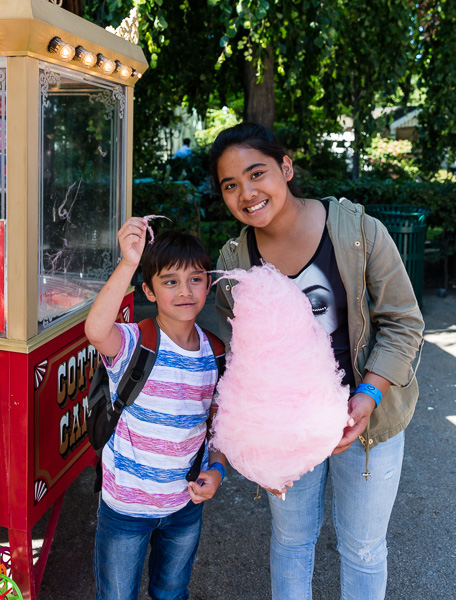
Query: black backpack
{"points": [[103, 415]]}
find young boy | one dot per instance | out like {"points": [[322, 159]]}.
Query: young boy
{"points": [[145, 496]]}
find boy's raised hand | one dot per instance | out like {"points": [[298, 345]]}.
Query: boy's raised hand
{"points": [[132, 239], [100, 325]]}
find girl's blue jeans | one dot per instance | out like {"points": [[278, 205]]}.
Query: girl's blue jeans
{"points": [[121, 544], [361, 512]]}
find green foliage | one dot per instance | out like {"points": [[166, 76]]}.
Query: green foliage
{"points": [[368, 59], [193, 207], [332, 58], [180, 41], [438, 116], [323, 163], [179, 201], [216, 121], [392, 158]]}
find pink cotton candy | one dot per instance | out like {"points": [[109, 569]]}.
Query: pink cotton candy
{"points": [[282, 407], [151, 231]]}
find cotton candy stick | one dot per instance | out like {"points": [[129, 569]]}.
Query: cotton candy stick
{"points": [[282, 405]]}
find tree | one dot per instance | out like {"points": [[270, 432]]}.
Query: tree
{"points": [[369, 59], [278, 46], [182, 49], [437, 27], [296, 64], [225, 51]]}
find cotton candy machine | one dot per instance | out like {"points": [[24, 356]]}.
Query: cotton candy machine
{"points": [[66, 114]]}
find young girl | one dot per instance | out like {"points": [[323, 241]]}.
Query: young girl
{"points": [[352, 273]]}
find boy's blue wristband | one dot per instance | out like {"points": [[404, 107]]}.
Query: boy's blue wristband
{"points": [[370, 390], [218, 467]]}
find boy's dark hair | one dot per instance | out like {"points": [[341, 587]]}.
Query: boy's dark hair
{"points": [[248, 135], [173, 249], [186, 141]]}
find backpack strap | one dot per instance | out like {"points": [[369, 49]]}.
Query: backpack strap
{"points": [[218, 348], [150, 334], [140, 365]]}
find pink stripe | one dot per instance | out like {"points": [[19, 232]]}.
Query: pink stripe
{"points": [[135, 330], [177, 391], [157, 446], [135, 496]]}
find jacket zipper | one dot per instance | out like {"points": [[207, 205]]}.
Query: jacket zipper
{"points": [[365, 442], [363, 293]]}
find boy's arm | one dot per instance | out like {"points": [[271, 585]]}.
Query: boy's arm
{"points": [[208, 481], [100, 326]]}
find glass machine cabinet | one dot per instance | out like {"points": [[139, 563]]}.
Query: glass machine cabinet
{"points": [[66, 115]]}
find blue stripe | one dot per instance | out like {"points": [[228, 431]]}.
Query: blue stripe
{"points": [[177, 361], [153, 417], [120, 369], [144, 472], [130, 345]]}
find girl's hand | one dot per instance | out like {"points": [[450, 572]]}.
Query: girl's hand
{"points": [[132, 239], [359, 410], [280, 493]]}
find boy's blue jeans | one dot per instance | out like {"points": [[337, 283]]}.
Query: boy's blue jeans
{"points": [[361, 512], [121, 544]]}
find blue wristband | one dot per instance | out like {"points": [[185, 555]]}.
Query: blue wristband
{"points": [[218, 467], [370, 390]]}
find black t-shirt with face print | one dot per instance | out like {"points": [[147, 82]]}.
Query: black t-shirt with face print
{"points": [[320, 280]]}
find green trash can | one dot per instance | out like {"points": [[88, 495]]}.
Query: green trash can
{"points": [[407, 226]]}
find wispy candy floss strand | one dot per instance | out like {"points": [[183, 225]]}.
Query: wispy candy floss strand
{"points": [[149, 228]]}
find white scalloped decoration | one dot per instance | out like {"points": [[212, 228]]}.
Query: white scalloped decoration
{"points": [[126, 314], [40, 372], [41, 489]]}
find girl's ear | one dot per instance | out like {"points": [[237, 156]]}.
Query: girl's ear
{"points": [[209, 281], [287, 168], [148, 292]]}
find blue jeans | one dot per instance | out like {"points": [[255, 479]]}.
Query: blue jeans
{"points": [[361, 513], [121, 544]]}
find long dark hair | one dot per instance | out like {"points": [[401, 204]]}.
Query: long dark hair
{"points": [[248, 135]]}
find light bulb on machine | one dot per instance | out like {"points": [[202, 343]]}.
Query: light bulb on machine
{"points": [[107, 65], [64, 51], [124, 71], [86, 58]]}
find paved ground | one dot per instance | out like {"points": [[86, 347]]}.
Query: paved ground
{"points": [[232, 563]]}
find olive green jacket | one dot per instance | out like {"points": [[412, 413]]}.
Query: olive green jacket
{"points": [[384, 321]]}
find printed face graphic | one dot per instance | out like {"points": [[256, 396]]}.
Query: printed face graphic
{"points": [[314, 283]]}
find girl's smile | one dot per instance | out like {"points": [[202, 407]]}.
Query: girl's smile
{"points": [[259, 206], [254, 186]]}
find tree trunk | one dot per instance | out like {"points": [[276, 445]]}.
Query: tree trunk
{"points": [[74, 6], [259, 98]]}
